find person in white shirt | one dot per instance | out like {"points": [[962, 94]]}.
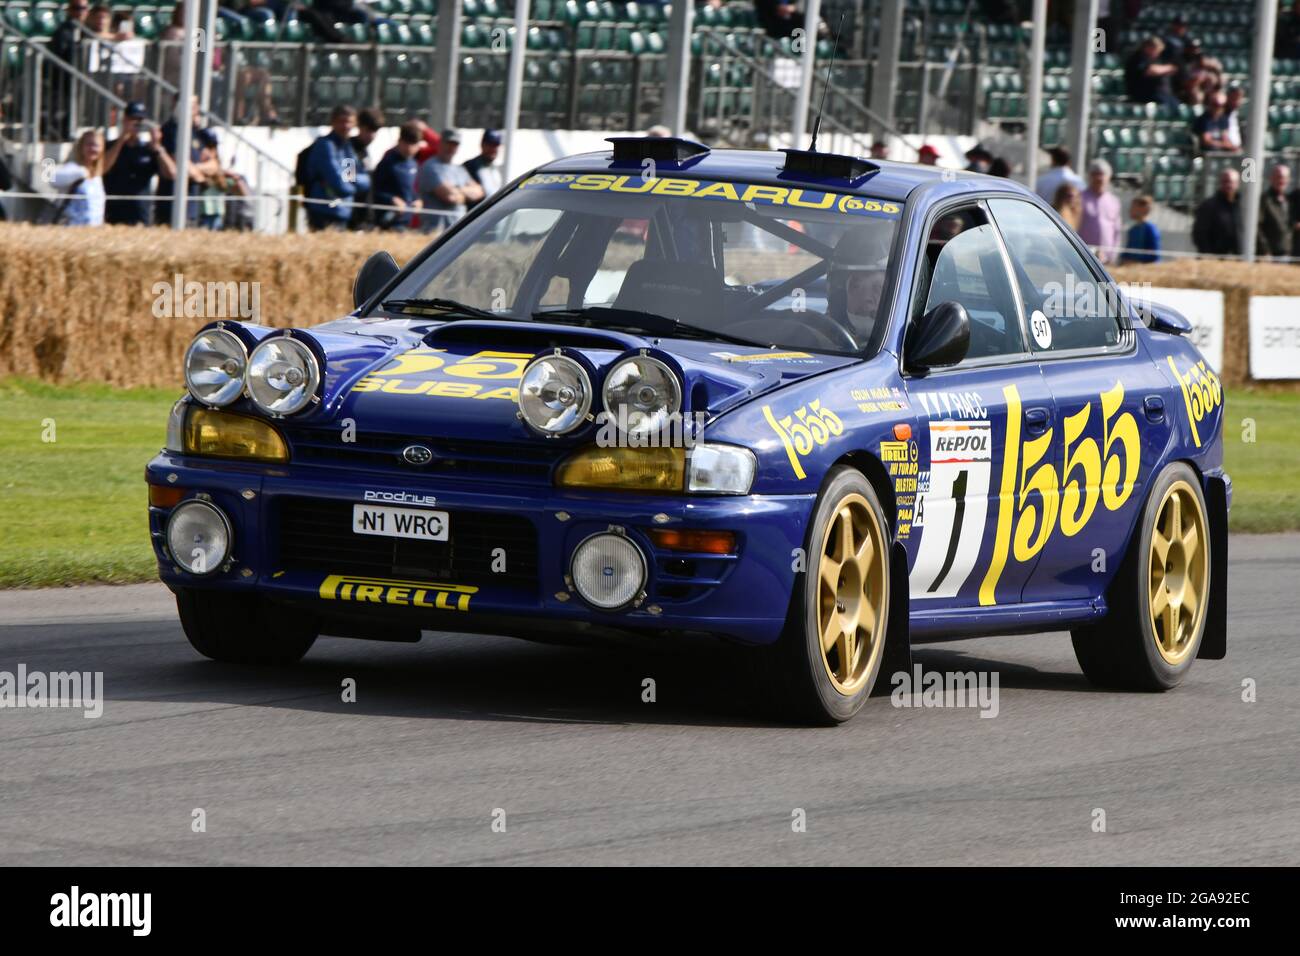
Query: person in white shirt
{"points": [[1059, 175], [80, 182], [483, 168]]}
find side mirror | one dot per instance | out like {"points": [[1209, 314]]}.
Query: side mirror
{"points": [[374, 274], [940, 338], [1162, 318]]}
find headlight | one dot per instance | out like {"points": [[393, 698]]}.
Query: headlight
{"points": [[223, 435], [198, 536], [642, 394], [608, 571], [215, 364], [554, 394], [720, 469], [624, 469], [282, 375]]}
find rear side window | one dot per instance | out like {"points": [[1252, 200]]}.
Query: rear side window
{"points": [[1065, 306]]}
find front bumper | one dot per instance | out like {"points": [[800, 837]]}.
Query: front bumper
{"points": [[744, 596]]}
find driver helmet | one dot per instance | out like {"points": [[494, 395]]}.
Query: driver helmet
{"points": [[856, 279]]}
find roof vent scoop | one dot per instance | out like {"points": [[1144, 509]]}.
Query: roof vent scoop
{"points": [[807, 162], [669, 150]]}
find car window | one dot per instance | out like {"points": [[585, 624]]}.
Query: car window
{"points": [[489, 271], [1067, 308], [963, 264]]}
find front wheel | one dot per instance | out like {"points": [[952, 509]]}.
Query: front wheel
{"points": [[826, 662], [1150, 637], [243, 628]]}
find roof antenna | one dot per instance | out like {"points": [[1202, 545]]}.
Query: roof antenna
{"points": [[821, 107]]}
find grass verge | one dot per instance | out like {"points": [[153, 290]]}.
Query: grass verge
{"points": [[72, 510]]}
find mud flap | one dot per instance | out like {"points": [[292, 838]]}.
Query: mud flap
{"points": [[898, 641], [1214, 642]]}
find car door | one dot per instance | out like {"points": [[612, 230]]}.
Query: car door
{"points": [[973, 421], [1110, 398]]}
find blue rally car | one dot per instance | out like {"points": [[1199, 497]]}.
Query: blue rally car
{"points": [[819, 407]]}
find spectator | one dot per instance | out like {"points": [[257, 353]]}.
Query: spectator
{"points": [[483, 168], [1276, 228], [778, 18], [199, 168], [1201, 77], [927, 155], [1211, 127], [81, 183], [879, 149], [131, 163], [128, 55], [394, 181], [1100, 223], [369, 123], [1147, 79], [332, 173], [658, 131], [1143, 240], [1235, 96], [1061, 172], [1286, 45], [1068, 203], [1175, 39], [65, 43], [978, 159], [444, 187], [432, 143], [1216, 229], [999, 167]]}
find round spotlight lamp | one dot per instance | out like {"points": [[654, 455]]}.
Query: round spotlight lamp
{"points": [[554, 395], [608, 571], [283, 376], [199, 537], [215, 364]]}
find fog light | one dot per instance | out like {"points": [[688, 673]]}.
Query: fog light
{"points": [[608, 571], [198, 535]]}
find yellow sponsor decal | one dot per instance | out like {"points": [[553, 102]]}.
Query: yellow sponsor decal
{"points": [[470, 376], [1034, 499], [809, 426], [765, 195], [426, 594], [1202, 393], [767, 356]]}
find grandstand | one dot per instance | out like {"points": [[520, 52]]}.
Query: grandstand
{"points": [[602, 65]]}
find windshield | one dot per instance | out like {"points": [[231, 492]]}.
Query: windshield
{"points": [[775, 265]]}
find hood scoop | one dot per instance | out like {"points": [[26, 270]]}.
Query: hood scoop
{"points": [[529, 336]]}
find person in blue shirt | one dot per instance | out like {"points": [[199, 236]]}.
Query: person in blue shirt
{"points": [[1143, 241], [334, 174], [393, 182]]}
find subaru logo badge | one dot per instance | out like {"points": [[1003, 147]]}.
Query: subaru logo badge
{"points": [[417, 455]]}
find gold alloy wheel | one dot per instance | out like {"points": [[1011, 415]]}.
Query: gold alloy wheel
{"points": [[1179, 573], [851, 594]]}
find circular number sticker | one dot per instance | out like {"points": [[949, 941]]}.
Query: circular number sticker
{"points": [[1042, 329]]}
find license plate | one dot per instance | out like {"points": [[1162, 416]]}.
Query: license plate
{"points": [[418, 523]]}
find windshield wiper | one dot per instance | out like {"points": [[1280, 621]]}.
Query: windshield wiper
{"points": [[597, 315], [448, 309]]}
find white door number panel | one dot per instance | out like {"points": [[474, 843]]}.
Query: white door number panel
{"points": [[952, 509], [400, 522]]}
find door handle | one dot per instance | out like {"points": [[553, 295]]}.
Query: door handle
{"points": [[1036, 420], [1154, 406]]}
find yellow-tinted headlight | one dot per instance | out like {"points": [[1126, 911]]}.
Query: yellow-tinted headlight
{"points": [[223, 435], [625, 469]]}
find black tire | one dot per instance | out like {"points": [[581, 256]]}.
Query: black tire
{"points": [[795, 675], [1124, 650], [243, 628]]}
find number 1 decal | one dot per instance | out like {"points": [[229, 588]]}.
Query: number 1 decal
{"points": [[954, 505]]}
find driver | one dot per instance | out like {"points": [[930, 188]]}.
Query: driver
{"points": [[856, 280]]}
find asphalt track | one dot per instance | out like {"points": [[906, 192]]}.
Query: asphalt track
{"points": [[446, 732]]}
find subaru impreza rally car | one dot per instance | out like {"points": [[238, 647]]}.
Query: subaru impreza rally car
{"points": [[819, 407]]}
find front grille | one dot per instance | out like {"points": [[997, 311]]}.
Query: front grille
{"points": [[502, 461], [316, 534]]}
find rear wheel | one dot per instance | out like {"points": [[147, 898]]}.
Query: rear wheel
{"points": [[1150, 637], [826, 662], [243, 628]]}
